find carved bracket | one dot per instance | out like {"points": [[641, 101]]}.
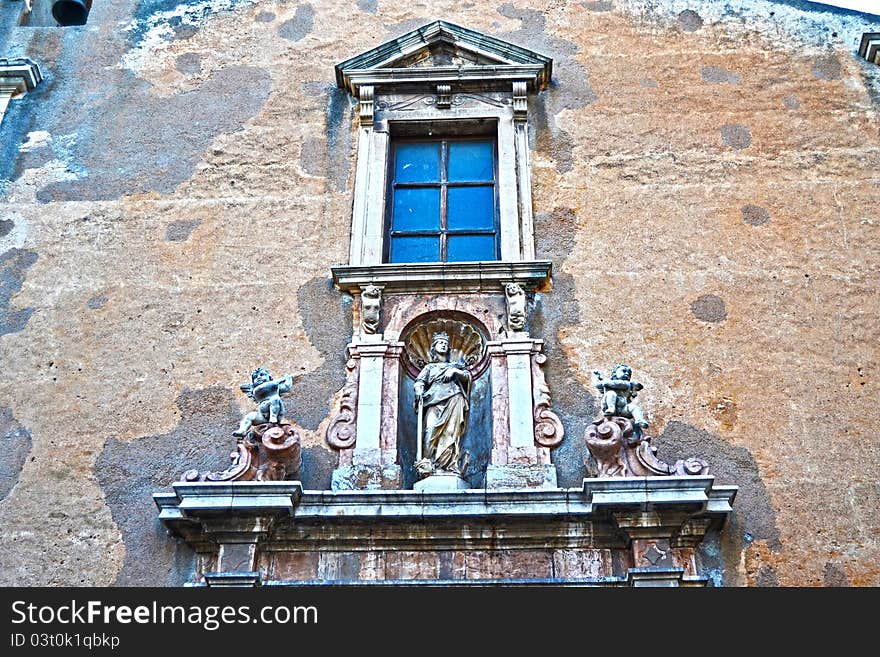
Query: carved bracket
{"points": [[366, 105], [520, 102], [342, 430], [516, 306], [549, 431], [268, 453], [371, 308], [620, 451]]}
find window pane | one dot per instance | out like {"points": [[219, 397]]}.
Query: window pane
{"points": [[418, 162], [465, 248], [416, 209], [471, 160], [415, 249], [471, 208]]}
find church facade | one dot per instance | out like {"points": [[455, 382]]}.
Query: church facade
{"points": [[578, 295]]}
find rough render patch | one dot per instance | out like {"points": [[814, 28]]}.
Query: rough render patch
{"points": [[755, 215], [689, 21], [753, 516], [264, 17], [736, 136], [125, 139], [368, 6], [318, 463], [326, 317], [180, 229], [719, 75], [827, 68], [155, 25], [649, 83], [6, 226], [300, 25], [553, 313], [834, 576], [13, 265], [15, 445], [130, 472], [709, 308]]}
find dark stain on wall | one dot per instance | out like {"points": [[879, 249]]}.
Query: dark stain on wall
{"points": [[189, 63], [13, 265], [736, 136], [264, 17], [791, 102], [834, 575], [755, 215], [753, 517], [709, 308], [573, 402], [300, 25], [15, 445], [97, 302], [326, 318], [130, 472], [368, 6], [598, 5], [767, 576], [827, 67], [719, 75], [331, 156], [6, 226], [181, 229], [318, 463], [123, 144], [689, 21], [569, 88]]}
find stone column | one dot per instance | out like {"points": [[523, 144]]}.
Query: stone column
{"points": [[519, 396]]}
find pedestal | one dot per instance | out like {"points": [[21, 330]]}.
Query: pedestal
{"points": [[440, 482]]}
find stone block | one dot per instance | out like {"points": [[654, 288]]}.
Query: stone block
{"points": [[367, 477], [517, 475]]}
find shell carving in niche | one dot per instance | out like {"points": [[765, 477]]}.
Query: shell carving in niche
{"points": [[466, 344]]}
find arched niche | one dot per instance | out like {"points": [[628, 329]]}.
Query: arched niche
{"points": [[468, 341]]}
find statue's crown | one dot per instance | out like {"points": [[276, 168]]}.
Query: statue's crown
{"points": [[443, 335]]}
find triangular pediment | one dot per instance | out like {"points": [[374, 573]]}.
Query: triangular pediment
{"points": [[443, 46]]}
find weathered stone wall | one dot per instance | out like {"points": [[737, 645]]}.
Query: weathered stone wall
{"points": [[176, 191]]}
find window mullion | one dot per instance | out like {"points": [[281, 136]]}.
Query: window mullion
{"points": [[444, 167]]}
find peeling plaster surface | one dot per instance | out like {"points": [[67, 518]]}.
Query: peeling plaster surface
{"points": [[174, 193]]}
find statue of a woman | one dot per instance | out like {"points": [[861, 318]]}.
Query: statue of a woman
{"points": [[443, 390]]}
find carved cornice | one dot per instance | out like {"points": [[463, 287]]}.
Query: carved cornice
{"points": [[21, 74], [443, 276]]}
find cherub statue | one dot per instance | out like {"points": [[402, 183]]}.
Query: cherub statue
{"points": [[618, 394], [266, 392]]}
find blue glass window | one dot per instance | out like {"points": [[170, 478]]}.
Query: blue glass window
{"points": [[443, 201]]}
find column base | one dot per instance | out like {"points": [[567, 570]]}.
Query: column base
{"points": [[441, 481]]}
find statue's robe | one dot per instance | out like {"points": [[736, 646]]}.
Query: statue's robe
{"points": [[445, 414]]}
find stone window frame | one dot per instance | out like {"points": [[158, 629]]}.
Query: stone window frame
{"points": [[420, 100]]}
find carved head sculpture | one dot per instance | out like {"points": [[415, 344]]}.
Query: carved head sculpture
{"points": [[439, 347], [371, 302], [516, 306], [260, 375], [622, 371]]}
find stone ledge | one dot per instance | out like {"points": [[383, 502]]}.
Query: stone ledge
{"points": [[869, 48], [233, 579], [486, 276], [200, 499]]}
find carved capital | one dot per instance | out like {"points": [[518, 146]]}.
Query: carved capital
{"points": [[444, 96], [342, 430]]}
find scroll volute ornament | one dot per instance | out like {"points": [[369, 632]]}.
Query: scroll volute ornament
{"points": [[342, 430], [549, 431]]}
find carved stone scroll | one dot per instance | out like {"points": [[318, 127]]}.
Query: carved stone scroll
{"points": [[268, 453], [620, 451], [342, 430], [365, 105], [548, 427], [444, 96]]}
